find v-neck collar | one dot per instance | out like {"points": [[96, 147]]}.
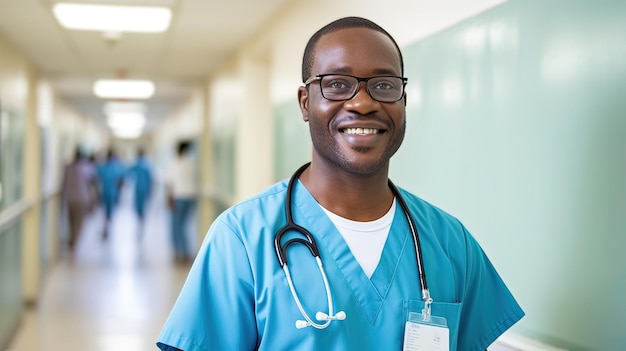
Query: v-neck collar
{"points": [[369, 293]]}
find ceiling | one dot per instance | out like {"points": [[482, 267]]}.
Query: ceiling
{"points": [[202, 35]]}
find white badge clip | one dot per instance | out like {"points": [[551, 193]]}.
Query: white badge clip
{"points": [[427, 302]]}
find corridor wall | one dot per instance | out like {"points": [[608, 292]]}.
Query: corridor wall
{"points": [[517, 123], [37, 134], [14, 72]]}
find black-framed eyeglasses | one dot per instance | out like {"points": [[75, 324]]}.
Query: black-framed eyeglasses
{"points": [[341, 87]]}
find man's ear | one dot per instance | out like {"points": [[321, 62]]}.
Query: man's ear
{"points": [[303, 100]]}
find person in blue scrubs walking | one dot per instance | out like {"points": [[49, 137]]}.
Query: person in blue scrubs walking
{"points": [[111, 174], [239, 296], [141, 174]]}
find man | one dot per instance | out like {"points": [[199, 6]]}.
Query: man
{"points": [[238, 298]]}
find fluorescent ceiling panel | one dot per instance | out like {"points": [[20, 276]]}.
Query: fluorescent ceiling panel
{"points": [[109, 18], [123, 89]]}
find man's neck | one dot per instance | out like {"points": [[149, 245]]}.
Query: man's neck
{"points": [[359, 198]]}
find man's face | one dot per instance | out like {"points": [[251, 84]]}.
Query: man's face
{"points": [[361, 134]]}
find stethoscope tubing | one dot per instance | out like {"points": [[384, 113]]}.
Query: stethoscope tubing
{"points": [[421, 271], [310, 243]]}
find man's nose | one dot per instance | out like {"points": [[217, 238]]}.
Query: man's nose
{"points": [[362, 101]]}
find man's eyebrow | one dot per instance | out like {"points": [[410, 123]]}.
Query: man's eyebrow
{"points": [[385, 71], [348, 70], [342, 69]]}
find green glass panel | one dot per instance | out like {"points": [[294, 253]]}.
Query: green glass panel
{"points": [[10, 280], [516, 124], [11, 155], [292, 144], [224, 157]]}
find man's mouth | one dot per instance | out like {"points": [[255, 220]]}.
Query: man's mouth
{"points": [[360, 131]]}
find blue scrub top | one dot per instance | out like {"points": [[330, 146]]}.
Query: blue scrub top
{"points": [[236, 296], [141, 172], [111, 172]]}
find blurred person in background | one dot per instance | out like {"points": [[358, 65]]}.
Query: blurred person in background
{"points": [[79, 193], [181, 196], [142, 176], [111, 174]]}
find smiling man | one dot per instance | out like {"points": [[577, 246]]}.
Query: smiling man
{"points": [[391, 271]]}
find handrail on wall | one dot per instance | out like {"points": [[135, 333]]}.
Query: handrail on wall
{"points": [[13, 212]]}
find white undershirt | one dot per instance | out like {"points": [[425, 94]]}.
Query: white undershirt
{"points": [[366, 240]]}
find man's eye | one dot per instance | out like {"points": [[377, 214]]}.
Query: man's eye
{"points": [[384, 85], [337, 85]]}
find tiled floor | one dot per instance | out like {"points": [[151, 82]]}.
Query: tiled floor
{"points": [[113, 294]]}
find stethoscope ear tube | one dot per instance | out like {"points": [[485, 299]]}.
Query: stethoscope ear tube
{"points": [[281, 249], [309, 244]]}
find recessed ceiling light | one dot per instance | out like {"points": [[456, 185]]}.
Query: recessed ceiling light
{"points": [[113, 18], [123, 89]]}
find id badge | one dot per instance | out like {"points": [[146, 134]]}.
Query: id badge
{"points": [[426, 333]]}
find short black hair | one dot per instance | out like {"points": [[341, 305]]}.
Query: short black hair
{"points": [[184, 146], [111, 153], [342, 23], [79, 154]]}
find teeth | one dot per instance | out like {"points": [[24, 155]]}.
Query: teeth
{"points": [[362, 131]]}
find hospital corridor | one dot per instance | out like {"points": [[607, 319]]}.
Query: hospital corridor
{"points": [[507, 116], [111, 294]]}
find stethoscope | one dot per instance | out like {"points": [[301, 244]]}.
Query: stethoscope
{"points": [[311, 244]]}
